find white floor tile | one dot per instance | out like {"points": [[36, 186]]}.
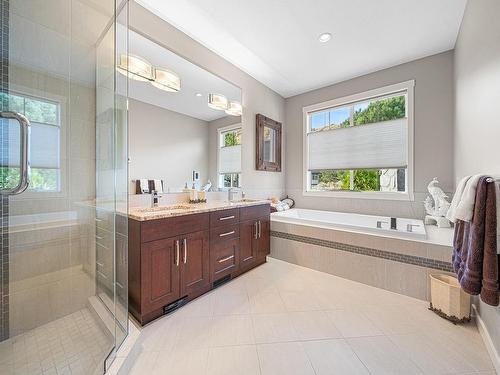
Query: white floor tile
{"points": [[269, 328], [313, 325], [232, 330], [284, 359], [244, 327], [382, 357], [351, 323], [241, 360], [333, 357], [266, 302]]}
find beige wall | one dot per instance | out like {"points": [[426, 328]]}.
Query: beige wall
{"points": [[166, 145], [477, 98], [256, 97], [433, 133]]}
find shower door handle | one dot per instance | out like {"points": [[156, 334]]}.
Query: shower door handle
{"points": [[24, 153]]}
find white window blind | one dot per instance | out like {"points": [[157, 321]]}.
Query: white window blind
{"points": [[377, 145], [230, 159], [44, 147]]}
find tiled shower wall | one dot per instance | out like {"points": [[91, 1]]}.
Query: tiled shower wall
{"points": [[4, 207]]}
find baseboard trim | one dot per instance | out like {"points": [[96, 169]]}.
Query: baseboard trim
{"points": [[483, 331]]}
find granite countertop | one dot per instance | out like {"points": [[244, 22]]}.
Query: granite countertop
{"points": [[180, 209]]}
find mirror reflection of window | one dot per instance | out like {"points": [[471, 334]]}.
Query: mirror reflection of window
{"points": [[269, 145], [230, 158]]}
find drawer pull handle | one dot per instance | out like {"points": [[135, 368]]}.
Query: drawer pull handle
{"points": [[98, 220], [260, 229], [185, 250], [226, 234], [99, 237], [226, 217], [226, 259], [256, 234], [177, 250]]}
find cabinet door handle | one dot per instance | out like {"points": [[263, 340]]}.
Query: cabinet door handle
{"points": [[226, 259], [185, 250], [226, 234], [226, 218], [260, 228], [177, 251], [256, 235]]}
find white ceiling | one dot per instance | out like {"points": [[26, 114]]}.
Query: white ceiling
{"points": [[276, 41], [193, 80]]}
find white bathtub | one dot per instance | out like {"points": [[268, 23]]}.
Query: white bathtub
{"points": [[352, 222]]}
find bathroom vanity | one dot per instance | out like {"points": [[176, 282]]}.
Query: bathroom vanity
{"points": [[177, 253]]}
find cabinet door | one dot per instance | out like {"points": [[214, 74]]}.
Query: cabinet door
{"points": [[195, 262], [159, 273], [248, 243], [264, 237]]}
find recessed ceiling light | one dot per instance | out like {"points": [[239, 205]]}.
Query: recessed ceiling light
{"points": [[325, 37], [198, 94]]}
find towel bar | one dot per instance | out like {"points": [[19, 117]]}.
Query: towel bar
{"points": [[490, 179]]}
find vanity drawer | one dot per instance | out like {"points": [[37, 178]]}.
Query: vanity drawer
{"points": [[255, 212], [173, 226], [224, 233], [224, 217], [224, 258]]}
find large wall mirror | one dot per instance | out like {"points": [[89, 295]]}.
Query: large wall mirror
{"points": [[185, 122]]}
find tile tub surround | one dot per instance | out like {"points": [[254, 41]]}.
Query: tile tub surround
{"points": [[160, 212], [397, 265], [317, 324]]}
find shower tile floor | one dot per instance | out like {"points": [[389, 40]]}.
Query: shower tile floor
{"points": [[74, 344], [284, 319]]}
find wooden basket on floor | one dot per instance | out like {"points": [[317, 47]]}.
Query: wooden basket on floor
{"points": [[448, 300]]}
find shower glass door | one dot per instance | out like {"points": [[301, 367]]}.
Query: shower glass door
{"points": [[63, 181]]}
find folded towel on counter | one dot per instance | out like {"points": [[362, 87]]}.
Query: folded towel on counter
{"points": [[158, 186], [464, 207], [475, 258], [144, 185]]}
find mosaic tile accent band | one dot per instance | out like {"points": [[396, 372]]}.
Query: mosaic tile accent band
{"points": [[401, 258], [4, 204]]}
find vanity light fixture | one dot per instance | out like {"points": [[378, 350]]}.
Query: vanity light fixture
{"points": [[324, 37], [135, 68], [217, 101], [234, 108], [166, 80]]}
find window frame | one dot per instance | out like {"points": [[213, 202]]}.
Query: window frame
{"points": [[220, 131], [61, 101], [409, 87]]}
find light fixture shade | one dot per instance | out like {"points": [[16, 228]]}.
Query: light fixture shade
{"points": [[217, 101], [135, 68], [234, 108], [166, 80]]}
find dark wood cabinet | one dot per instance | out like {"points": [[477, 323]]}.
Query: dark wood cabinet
{"points": [[194, 263], [174, 260], [264, 237], [249, 243], [160, 274]]}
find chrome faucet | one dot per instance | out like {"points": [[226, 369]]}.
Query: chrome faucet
{"points": [[409, 227], [155, 198], [230, 194]]}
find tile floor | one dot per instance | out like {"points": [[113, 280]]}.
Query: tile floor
{"points": [[284, 319], [73, 345]]}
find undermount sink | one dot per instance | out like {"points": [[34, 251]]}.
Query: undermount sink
{"points": [[177, 207], [244, 200]]}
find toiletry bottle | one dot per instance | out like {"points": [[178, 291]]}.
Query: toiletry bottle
{"points": [[192, 194]]}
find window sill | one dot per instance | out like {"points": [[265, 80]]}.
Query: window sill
{"points": [[375, 195]]}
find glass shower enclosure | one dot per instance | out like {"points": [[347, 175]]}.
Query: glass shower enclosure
{"points": [[63, 182]]}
